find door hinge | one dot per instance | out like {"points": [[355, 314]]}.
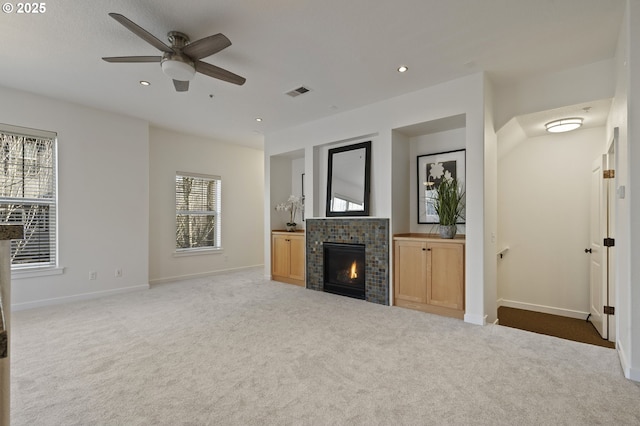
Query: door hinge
{"points": [[609, 310], [608, 174], [609, 242]]}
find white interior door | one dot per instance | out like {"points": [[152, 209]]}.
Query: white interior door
{"points": [[597, 252]]}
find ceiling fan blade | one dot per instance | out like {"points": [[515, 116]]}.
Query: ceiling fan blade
{"points": [[141, 32], [219, 73], [133, 59], [181, 86], [206, 46]]}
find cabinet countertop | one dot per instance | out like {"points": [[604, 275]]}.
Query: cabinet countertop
{"points": [[419, 236]]}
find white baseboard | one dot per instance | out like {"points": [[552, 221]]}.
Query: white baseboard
{"points": [[200, 275], [475, 319], [544, 309], [629, 372], [75, 298]]}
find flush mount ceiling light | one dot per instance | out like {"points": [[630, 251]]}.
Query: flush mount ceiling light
{"points": [[563, 125], [402, 68], [145, 83]]}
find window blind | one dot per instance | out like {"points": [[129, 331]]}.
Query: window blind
{"points": [[28, 193], [198, 202]]}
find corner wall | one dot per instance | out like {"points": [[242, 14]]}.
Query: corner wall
{"points": [[103, 199], [627, 234], [242, 173]]}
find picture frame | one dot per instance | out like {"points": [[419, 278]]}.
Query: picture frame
{"points": [[431, 169]]}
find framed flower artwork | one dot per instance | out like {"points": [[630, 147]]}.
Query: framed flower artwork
{"points": [[432, 169]]}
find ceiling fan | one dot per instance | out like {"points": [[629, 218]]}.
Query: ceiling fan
{"points": [[181, 60]]}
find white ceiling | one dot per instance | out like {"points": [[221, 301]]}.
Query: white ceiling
{"points": [[346, 51]]}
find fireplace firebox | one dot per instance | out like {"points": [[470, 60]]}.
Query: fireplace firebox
{"points": [[344, 269]]}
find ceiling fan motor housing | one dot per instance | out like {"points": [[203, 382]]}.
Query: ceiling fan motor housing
{"points": [[176, 65]]}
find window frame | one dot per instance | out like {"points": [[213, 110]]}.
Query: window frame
{"points": [[215, 213], [52, 265]]}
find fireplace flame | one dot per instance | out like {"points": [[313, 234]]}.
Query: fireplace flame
{"points": [[354, 271]]}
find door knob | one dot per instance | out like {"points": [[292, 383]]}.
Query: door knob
{"points": [[588, 250]]}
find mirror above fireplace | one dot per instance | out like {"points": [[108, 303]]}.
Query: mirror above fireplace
{"points": [[348, 180]]}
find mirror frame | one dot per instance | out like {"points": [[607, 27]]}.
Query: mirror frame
{"points": [[367, 179]]}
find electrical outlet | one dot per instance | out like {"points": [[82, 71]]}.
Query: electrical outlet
{"points": [[119, 273], [93, 275]]}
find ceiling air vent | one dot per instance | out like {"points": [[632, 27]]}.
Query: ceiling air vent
{"points": [[299, 91]]}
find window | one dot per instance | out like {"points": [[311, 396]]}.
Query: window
{"points": [[197, 212], [341, 204], [28, 193]]}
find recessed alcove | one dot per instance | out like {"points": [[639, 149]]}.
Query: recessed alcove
{"points": [[286, 179], [408, 142]]}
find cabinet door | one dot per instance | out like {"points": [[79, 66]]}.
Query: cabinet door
{"points": [[445, 269], [280, 258], [410, 271], [296, 246]]}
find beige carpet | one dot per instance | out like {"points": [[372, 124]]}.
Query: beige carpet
{"points": [[238, 350]]}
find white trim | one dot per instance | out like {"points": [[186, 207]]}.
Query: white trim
{"points": [[544, 309], [197, 251], [21, 273], [200, 275], [475, 319], [22, 131], [629, 372], [75, 298]]}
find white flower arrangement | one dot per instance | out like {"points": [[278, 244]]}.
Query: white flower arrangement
{"points": [[292, 205]]}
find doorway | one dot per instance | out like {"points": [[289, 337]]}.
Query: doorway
{"points": [[543, 221]]}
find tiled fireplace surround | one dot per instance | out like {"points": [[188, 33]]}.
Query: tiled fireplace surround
{"points": [[373, 233]]}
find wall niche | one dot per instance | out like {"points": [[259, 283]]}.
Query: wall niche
{"points": [[409, 142]]}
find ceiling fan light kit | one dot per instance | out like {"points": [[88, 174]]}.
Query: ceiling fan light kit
{"points": [[178, 69], [181, 60]]}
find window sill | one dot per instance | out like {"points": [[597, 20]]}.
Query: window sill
{"points": [[18, 274], [198, 252]]}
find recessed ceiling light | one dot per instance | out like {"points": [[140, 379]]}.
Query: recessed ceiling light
{"points": [[563, 125], [145, 83], [402, 68], [258, 119]]}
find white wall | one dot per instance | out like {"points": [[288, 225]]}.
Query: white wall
{"points": [[633, 160], [103, 192], [242, 173], [627, 233], [490, 207], [377, 122], [400, 189], [543, 217]]}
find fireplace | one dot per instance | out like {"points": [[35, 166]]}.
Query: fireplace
{"points": [[371, 233], [344, 269]]}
